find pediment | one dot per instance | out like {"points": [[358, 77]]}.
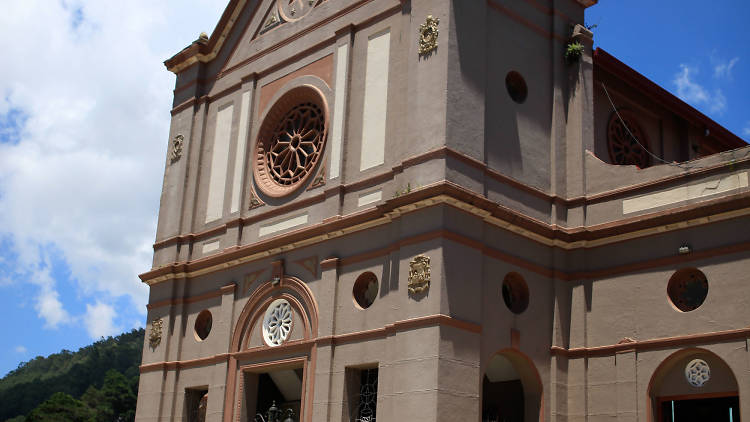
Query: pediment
{"points": [[245, 28], [275, 22]]}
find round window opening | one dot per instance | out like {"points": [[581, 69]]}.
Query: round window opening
{"points": [[623, 148], [516, 86], [203, 325], [687, 289], [515, 293], [277, 322], [291, 141], [365, 289]]}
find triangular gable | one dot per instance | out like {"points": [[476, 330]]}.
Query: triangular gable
{"points": [[264, 17], [276, 15]]}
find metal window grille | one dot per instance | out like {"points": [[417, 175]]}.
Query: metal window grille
{"points": [[368, 396]]}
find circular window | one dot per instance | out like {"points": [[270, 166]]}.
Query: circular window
{"points": [[516, 86], [277, 322], [687, 289], [291, 141], [623, 149], [515, 293], [203, 325], [365, 289], [697, 372]]}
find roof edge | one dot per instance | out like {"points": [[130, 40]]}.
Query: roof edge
{"points": [[660, 95], [587, 3], [202, 50]]}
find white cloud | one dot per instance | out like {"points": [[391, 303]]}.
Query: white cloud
{"points": [[20, 349], [82, 182], [687, 89], [696, 94], [99, 320], [746, 129], [50, 308], [718, 102], [724, 68]]}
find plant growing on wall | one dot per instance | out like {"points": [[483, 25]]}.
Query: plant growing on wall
{"points": [[573, 51]]}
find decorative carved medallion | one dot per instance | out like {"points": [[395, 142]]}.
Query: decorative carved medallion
{"points": [[176, 151], [292, 10], [277, 323], [428, 35], [419, 274], [697, 372], [154, 336]]}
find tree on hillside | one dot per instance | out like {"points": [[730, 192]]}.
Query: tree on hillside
{"points": [[62, 407], [75, 373], [115, 401]]}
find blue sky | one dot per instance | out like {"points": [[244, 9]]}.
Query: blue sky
{"points": [[84, 118], [696, 50]]}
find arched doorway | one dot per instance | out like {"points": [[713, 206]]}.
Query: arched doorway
{"points": [[694, 385], [511, 389]]}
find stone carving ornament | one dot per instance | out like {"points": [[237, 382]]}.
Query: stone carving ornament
{"points": [[428, 35], [154, 337], [277, 322], [697, 372], [292, 10], [419, 274], [176, 151]]}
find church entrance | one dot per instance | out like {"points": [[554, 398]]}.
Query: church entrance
{"points": [[273, 393], [511, 391], [694, 385], [699, 409]]}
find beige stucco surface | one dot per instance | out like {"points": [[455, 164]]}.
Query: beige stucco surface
{"points": [[427, 155]]}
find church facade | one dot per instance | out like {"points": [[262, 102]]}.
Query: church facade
{"points": [[441, 210]]}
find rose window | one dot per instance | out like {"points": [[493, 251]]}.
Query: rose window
{"points": [[277, 323], [623, 149], [697, 372], [291, 141]]}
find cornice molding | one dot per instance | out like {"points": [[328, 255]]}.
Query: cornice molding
{"points": [[446, 193], [627, 345]]}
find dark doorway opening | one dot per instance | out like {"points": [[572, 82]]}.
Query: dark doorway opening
{"points": [[718, 409], [502, 401], [273, 395]]}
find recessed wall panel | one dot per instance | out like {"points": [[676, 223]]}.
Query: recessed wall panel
{"points": [[239, 159], [218, 177], [376, 101], [342, 60]]}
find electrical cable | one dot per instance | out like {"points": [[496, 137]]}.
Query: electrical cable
{"points": [[680, 165]]}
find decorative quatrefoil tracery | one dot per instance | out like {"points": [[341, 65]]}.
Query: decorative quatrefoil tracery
{"points": [[697, 372], [277, 322], [291, 141]]}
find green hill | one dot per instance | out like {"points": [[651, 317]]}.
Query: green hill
{"points": [[81, 377]]}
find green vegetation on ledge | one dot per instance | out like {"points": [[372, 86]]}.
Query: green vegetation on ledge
{"points": [[97, 383]]}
